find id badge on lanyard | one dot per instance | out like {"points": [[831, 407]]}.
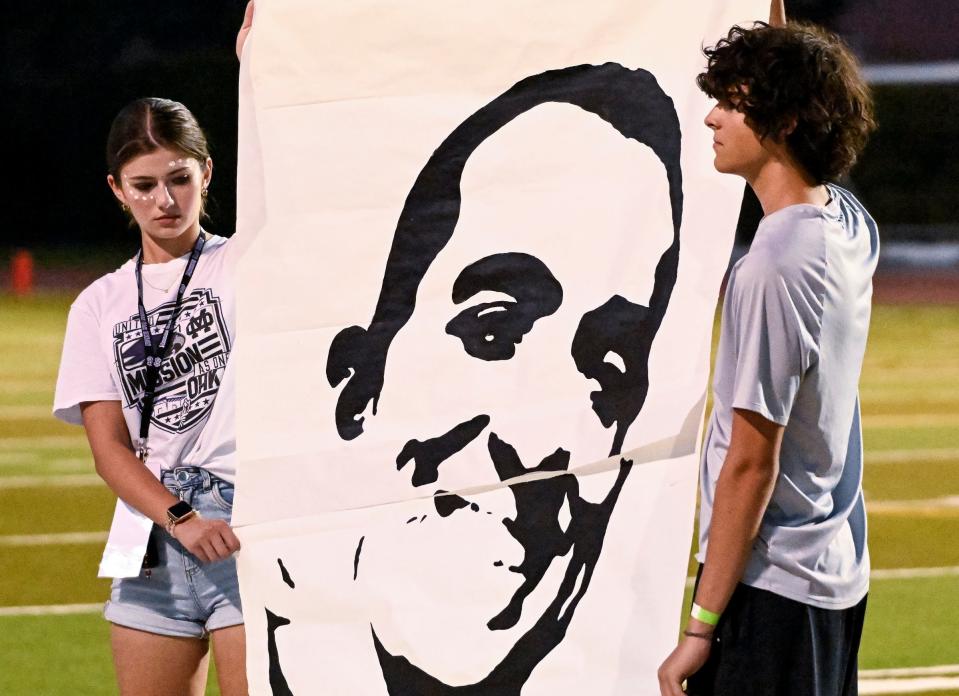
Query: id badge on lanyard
{"points": [[154, 354], [155, 351]]}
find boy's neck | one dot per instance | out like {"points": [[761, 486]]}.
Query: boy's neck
{"points": [[781, 182]]}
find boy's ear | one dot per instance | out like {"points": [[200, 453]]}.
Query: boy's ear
{"points": [[789, 129]]}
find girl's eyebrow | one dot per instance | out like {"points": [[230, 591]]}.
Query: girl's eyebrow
{"points": [[144, 177]]}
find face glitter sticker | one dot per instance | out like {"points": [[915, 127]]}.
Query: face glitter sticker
{"points": [[144, 187]]}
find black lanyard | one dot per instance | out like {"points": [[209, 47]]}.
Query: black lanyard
{"points": [[155, 352]]}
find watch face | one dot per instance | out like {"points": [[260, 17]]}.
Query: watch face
{"points": [[178, 510]]}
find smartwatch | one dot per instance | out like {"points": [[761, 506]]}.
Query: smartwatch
{"points": [[177, 513]]}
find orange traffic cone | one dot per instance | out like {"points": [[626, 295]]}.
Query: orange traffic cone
{"points": [[21, 272]]}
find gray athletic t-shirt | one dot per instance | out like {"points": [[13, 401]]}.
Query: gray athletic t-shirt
{"points": [[794, 326]]}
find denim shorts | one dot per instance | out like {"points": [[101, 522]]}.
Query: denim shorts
{"points": [[182, 596]]}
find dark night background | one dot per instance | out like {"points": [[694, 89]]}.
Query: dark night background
{"points": [[68, 67]]}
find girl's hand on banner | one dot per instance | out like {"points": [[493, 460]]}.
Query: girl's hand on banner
{"points": [[687, 659], [208, 540], [244, 28]]}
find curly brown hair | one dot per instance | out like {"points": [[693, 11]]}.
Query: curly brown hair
{"points": [[800, 82]]}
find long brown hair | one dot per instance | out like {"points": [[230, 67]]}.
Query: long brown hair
{"points": [[148, 124]]}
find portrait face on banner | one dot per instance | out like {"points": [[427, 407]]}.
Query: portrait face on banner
{"points": [[503, 352]]}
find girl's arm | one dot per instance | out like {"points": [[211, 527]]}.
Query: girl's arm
{"points": [[116, 463]]}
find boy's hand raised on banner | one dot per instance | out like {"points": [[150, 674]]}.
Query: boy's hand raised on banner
{"points": [[777, 13]]}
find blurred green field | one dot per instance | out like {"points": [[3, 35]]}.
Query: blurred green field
{"points": [[910, 402]]}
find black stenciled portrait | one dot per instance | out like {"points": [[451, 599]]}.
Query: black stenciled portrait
{"points": [[504, 300]]}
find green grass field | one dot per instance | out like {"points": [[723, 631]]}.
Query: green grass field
{"points": [[910, 398]]}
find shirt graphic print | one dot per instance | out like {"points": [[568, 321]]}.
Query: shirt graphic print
{"points": [[193, 367]]}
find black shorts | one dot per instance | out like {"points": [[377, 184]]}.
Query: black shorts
{"points": [[767, 645]]}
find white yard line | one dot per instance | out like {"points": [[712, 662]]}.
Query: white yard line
{"points": [[945, 504], [14, 458], [24, 412], [911, 573], [68, 480], [34, 462], [29, 443], [915, 685], [934, 671], [912, 420], [53, 539], [15, 385], [52, 610], [899, 456]]}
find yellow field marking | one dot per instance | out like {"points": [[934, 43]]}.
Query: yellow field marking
{"points": [[947, 506], [52, 609], [69, 481], [65, 538]]}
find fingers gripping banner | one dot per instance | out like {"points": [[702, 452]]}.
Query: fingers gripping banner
{"points": [[485, 245]]}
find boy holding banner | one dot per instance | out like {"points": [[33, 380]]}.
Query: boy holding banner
{"points": [[781, 593]]}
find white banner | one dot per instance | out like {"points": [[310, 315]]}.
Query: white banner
{"points": [[486, 244]]}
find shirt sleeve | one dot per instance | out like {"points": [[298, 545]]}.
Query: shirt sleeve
{"points": [[776, 334], [85, 371]]}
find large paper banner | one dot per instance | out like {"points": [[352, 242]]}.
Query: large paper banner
{"points": [[474, 319]]}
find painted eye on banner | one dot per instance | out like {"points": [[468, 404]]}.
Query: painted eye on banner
{"points": [[616, 360], [491, 330], [611, 347]]}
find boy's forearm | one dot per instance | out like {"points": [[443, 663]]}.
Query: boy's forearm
{"points": [[742, 494]]}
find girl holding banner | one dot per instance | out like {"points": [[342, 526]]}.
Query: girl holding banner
{"points": [[144, 370]]}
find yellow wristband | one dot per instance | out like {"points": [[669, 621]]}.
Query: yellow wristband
{"points": [[704, 615]]}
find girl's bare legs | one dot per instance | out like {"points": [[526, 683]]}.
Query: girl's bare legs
{"points": [[148, 664], [229, 651]]}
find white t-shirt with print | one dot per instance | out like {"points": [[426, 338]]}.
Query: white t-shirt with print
{"points": [[103, 360]]}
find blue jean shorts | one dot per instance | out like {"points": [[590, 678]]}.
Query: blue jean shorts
{"points": [[182, 596]]}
